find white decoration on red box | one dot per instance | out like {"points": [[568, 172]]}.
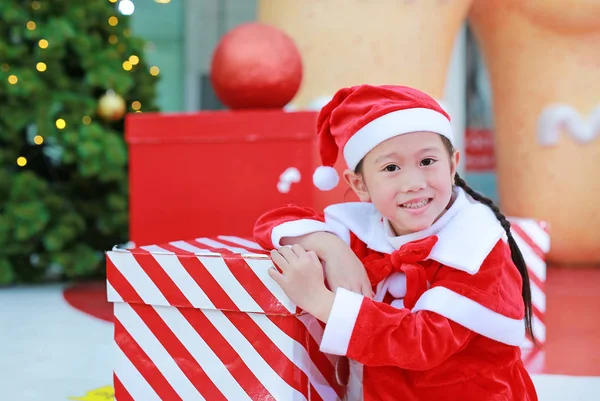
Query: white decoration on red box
{"points": [[202, 319], [290, 176]]}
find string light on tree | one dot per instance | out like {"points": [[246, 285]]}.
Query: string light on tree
{"points": [[41, 67], [35, 5], [12, 79], [136, 105], [31, 25], [61, 124], [113, 21], [38, 139], [111, 106], [43, 44], [127, 65], [21, 161], [154, 70], [134, 60], [113, 40], [87, 120], [126, 7]]}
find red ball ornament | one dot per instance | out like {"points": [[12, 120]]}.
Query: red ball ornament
{"points": [[256, 66]]}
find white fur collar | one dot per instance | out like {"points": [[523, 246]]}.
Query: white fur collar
{"points": [[466, 233]]}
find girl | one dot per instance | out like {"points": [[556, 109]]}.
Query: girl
{"points": [[444, 303]]}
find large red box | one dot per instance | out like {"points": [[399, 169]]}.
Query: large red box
{"points": [[211, 172]]}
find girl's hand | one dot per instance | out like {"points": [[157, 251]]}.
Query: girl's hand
{"points": [[342, 266], [302, 280]]}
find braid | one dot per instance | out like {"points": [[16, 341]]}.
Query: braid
{"points": [[516, 254]]}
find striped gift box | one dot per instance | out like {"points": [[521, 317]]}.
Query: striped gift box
{"points": [[533, 240], [202, 319]]}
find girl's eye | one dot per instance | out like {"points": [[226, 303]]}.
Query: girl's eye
{"points": [[427, 162], [391, 168]]}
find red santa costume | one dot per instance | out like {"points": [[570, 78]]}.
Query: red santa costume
{"points": [[446, 322]]}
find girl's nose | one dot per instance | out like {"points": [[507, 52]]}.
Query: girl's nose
{"points": [[413, 181]]}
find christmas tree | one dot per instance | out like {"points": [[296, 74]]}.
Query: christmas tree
{"points": [[69, 70]]}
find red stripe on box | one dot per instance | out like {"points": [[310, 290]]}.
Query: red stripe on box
{"points": [[537, 313], [120, 284], [266, 300], [536, 280], [226, 354], [180, 354], [121, 393], [207, 283], [176, 250], [143, 363], [527, 239], [250, 249], [126, 291], [319, 359], [222, 251], [313, 394], [270, 352], [161, 279], [254, 286]]}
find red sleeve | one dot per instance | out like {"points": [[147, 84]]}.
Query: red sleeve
{"points": [[381, 334], [263, 228]]}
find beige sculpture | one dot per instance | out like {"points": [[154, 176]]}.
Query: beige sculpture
{"points": [[544, 62], [348, 42]]}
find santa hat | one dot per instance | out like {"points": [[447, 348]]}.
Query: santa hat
{"points": [[359, 118]]}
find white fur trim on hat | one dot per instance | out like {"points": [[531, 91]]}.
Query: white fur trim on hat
{"points": [[325, 178], [393, 124]]}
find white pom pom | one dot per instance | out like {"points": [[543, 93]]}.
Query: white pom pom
{"points": [[397, 285], [325, 178]]}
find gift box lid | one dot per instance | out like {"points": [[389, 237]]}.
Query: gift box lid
{"points": [[222, 273], [220, 126]]}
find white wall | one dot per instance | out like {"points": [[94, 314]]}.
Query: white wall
{"points": [[205, 22], [455, 93]]}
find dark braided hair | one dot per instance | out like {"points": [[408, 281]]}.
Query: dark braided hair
{"points": [[515, 252], [516, 255]]}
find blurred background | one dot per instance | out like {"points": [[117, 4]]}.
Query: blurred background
{"points": [[128, 123]]}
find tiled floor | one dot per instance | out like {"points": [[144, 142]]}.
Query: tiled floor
{"points": [[50, 350], [573, 322]]}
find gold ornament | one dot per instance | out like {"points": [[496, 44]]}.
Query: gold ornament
{"points": [[111, 106]]}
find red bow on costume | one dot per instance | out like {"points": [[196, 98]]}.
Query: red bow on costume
{"points": [[405, 259]]}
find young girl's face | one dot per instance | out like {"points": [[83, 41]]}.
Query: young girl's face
{"points": [[409, 180]]}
